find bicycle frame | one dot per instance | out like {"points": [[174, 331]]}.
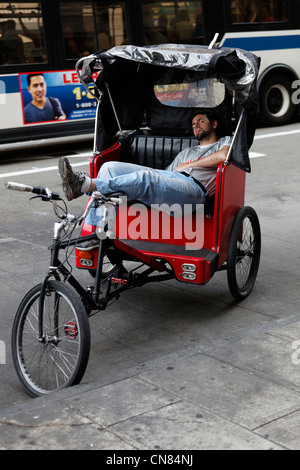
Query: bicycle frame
{"points": [[92, 297]]}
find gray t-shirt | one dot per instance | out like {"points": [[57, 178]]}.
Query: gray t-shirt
{"points": [[207, 176]]}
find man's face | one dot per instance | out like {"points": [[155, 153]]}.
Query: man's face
{"points": [[37, 88], [202, 127]]}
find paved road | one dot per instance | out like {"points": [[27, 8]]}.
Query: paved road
{"points": [[158, 320]]}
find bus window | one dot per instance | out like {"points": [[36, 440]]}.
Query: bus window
{"points": [[78, 28], [21, 33], [88, 26], [273, 11], [258, 11], [178, 22], [110, 21]]}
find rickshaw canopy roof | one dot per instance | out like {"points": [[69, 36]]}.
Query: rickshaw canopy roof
{"points": [[128, 76], [236, 68]]}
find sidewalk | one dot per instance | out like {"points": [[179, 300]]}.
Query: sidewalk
{"points": [[238, 392]]}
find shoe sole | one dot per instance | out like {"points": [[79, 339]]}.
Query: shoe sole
{"points": [[64, 170]]}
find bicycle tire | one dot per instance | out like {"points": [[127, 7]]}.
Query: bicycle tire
{"points": [[107, 269], [60, 361], [243, 254]]}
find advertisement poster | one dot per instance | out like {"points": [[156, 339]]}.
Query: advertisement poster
{"points": [[55, 97]]}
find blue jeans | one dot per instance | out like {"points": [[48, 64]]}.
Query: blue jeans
{"points": [[147, 185]]}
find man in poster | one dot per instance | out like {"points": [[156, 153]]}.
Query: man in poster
{"points": [[41, 108]]}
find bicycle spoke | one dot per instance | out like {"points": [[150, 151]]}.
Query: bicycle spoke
{"points": [[53, 361]]}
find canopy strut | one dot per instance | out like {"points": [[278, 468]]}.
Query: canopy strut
{"points": [[213, 42], [113, 107]]}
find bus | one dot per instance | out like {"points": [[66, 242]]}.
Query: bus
{"points": [[41, 41]]}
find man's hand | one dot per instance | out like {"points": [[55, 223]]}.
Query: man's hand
{"points": [[182, 167]]}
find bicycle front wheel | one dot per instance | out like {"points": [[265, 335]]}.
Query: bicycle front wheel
{"points": [[60, 359]]}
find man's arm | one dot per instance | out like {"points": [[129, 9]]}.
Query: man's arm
{"points": [[57, 108], [62, 115], [214, 159]]}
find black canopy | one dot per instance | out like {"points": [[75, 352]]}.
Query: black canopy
{"points": [[129, 74]]}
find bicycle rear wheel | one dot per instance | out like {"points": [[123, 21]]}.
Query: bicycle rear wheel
{"points": [[243, 253], [60, 360]]}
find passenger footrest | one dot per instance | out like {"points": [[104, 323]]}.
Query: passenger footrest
{"points": [[196, 266]]}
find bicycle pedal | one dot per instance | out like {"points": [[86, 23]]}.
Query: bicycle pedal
{"points": [[71, 330], [116, 280]]}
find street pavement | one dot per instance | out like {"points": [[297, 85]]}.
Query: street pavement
{"points": [[232, 384], [239, 393]]}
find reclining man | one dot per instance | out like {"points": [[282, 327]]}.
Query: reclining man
{"points": [[189, 179]]}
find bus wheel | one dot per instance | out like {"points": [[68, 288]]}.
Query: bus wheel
{"points": [[275, 99]]}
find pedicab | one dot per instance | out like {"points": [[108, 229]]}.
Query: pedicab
{"points": [[146, 98]]}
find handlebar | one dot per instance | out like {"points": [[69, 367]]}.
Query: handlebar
{"points": [[44, 193]]}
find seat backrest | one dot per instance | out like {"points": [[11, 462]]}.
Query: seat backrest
{"points": [[148, 150], [153, 150]]}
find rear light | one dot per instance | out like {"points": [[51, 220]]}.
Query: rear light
{"points": [[85, 258], [189, 276], [188, 267], [189, 271]]}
